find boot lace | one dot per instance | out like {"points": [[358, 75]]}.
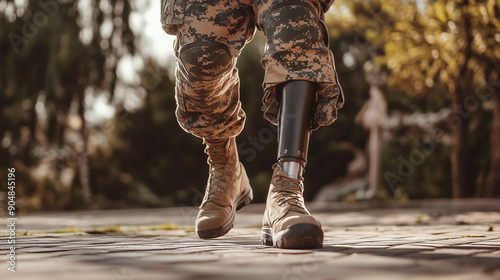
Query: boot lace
{"points": [[288, 191], [219, 170]]}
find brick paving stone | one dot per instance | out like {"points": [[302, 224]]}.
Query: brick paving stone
{"points": [[494, 242], [457, 251], [384, 242], [40, 256], [43, 250], [486, 262]]}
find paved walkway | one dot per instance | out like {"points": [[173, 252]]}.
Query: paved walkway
{"points": [[453, 240]]}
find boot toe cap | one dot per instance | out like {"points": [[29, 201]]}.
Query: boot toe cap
{"points": [[212, 218], [296, 219]]}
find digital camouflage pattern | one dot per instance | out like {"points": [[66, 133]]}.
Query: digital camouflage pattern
{"points": [[211, 36]]}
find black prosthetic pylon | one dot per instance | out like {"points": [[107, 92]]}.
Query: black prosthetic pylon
{"points": [[294, 126]]}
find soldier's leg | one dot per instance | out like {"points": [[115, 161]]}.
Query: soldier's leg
{"points": [[207, 46], [210, 36], [301, 94]]}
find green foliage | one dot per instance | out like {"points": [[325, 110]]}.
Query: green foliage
{"points": [[440, 43]]}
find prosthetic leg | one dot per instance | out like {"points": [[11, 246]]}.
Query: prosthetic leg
{"points": [[296, 41], [294, 126], [287, 222]]}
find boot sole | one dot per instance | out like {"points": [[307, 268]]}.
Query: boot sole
{"points": [[241, 201], [298, 236]]}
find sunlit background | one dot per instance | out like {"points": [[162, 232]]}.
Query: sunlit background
{"points": [[87, 106]]}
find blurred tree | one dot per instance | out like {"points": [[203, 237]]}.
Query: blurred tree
{"points": [[452, 43], [392, 33], [54, 55]]}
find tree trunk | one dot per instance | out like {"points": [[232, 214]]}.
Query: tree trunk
{"points": [[461, 185], [493, 187], [83, 164], [374, 160], [459, 156]]}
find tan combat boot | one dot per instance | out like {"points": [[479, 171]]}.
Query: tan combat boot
{"points": [[228, 189], [287, 223]]}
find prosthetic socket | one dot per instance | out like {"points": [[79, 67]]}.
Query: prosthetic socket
{"points": [[294, 126]]}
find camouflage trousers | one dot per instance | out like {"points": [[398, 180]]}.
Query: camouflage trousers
{"points": [[211, 35]]}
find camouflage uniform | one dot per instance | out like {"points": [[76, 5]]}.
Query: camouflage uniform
{"points": [[211, 35]]}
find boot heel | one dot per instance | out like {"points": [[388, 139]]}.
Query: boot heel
{"points": [[245, 198], [266, 236]]}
